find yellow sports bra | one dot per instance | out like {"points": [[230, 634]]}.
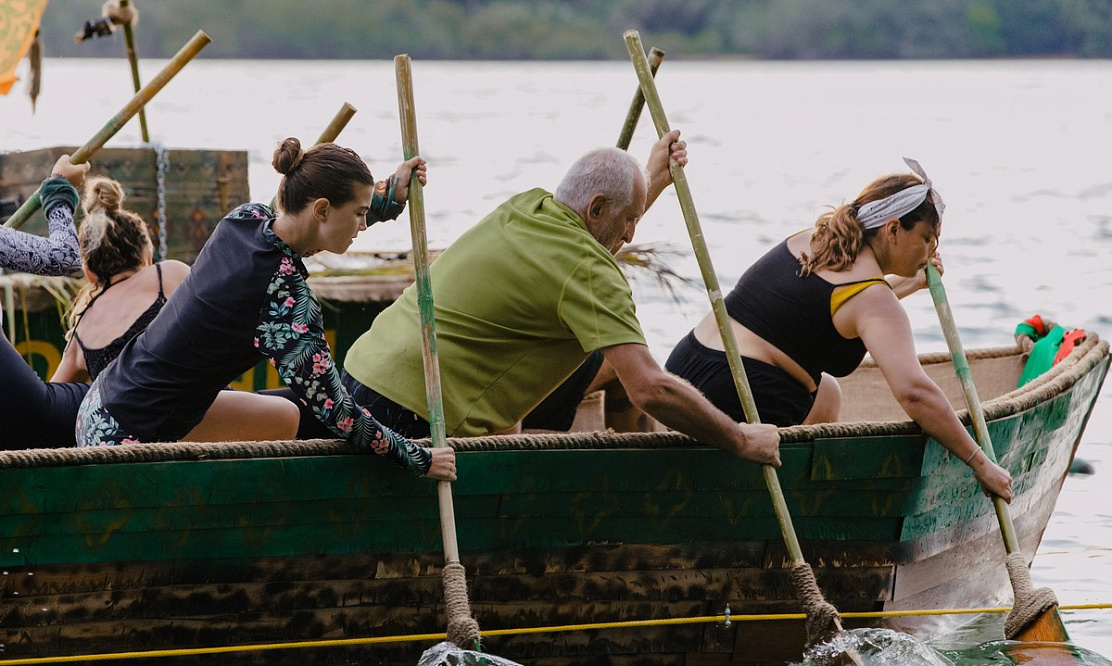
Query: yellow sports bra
{"points": [[843, 293]]}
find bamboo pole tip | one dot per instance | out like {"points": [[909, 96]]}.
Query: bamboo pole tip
{"points": [[631, 34], [203, 37], [348, 107], [660, 53]]}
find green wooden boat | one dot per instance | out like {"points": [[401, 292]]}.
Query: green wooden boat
{"points": [[175, 546]]}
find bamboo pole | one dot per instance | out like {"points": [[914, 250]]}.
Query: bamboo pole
{"points": [[820, 614], [463, 630], [656, 56], [82, 154], [339, 122], [1034, 615], [133, 60]]}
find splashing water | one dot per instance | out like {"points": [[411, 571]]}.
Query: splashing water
{"points": [[884, 647], [876, 647], [448, 654]]}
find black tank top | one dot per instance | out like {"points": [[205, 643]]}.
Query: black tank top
{"points": [[96, 360], [793, 314]]}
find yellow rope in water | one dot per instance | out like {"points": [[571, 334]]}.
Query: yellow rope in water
{"points": [[348, 642]]}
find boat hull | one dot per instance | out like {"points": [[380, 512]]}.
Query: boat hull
{"points": [[155, 547]]}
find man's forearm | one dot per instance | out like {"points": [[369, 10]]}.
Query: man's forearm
{"points": [[681, 407]]}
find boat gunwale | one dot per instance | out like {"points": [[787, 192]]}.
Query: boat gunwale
{"points": [[1061, 377]]}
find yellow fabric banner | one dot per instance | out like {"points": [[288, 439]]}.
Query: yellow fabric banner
{"points": [[18, 21]]}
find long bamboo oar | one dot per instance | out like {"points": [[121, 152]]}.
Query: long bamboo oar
{"points": [[463, 630], [82, 154], [1034, 615], [822, 617], [656, 56], [133, 60]]}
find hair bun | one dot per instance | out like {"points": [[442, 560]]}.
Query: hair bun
{"points": [[102, 194], [287, 156]]}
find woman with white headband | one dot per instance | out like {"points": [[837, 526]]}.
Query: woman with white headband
{"points": [[808, 311]]}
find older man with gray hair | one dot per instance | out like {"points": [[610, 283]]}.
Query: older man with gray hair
{"points": [[523, 298]]}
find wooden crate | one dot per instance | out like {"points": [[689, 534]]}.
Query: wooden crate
{"points": [[201, 186]]}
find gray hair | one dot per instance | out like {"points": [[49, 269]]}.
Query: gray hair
{"points": [[607, 171]]}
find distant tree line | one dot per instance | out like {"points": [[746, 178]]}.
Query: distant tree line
{"points": [[592, 29]]}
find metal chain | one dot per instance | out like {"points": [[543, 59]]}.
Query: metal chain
{"points": [[163, 165]]}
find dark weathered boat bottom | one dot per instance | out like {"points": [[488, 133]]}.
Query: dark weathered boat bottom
{"points": [[140, 606]]}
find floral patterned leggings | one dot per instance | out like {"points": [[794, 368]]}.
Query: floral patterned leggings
{"points": [[95, 426]]}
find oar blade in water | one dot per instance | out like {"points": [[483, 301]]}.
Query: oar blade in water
{"points": [[1031, 654], [874, 647], [1046, 627], [449, 654]]}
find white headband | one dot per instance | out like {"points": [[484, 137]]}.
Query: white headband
{"points": [[876, 213]]}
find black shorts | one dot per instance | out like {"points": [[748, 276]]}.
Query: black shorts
{"points": [[557, 410], [780, 399], [35, 414]]}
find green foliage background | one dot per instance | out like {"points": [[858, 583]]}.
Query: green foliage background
{"points": [[592, 29]]}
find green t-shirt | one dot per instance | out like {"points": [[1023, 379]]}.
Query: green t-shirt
{"points": [[520, 300]]}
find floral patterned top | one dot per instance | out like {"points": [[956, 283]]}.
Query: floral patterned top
{"points": [[57, 254], [246, 295]]}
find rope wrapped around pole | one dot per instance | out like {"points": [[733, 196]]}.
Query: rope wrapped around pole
{"points": [[463, 630], [1030, 603], [821, 614]]}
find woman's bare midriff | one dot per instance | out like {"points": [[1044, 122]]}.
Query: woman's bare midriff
{"points": [[752, 346]]}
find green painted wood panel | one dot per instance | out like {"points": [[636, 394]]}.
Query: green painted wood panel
{"points": [[851, 458]]}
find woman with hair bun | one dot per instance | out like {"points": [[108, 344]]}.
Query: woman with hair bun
{"points": [[809, 310], [126, 287], [245, 297]]}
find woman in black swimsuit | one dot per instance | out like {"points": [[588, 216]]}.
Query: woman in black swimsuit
{"points": [[127, 290], [246, 298], [810, 309]]}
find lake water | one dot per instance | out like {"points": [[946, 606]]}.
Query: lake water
{"points": [[1018, 149]]}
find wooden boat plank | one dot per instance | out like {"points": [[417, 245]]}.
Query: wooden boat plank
{"points": [[599, 514], [1028, 459], [875, 457], [76, 578], [162, 488], [609, 596]]}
